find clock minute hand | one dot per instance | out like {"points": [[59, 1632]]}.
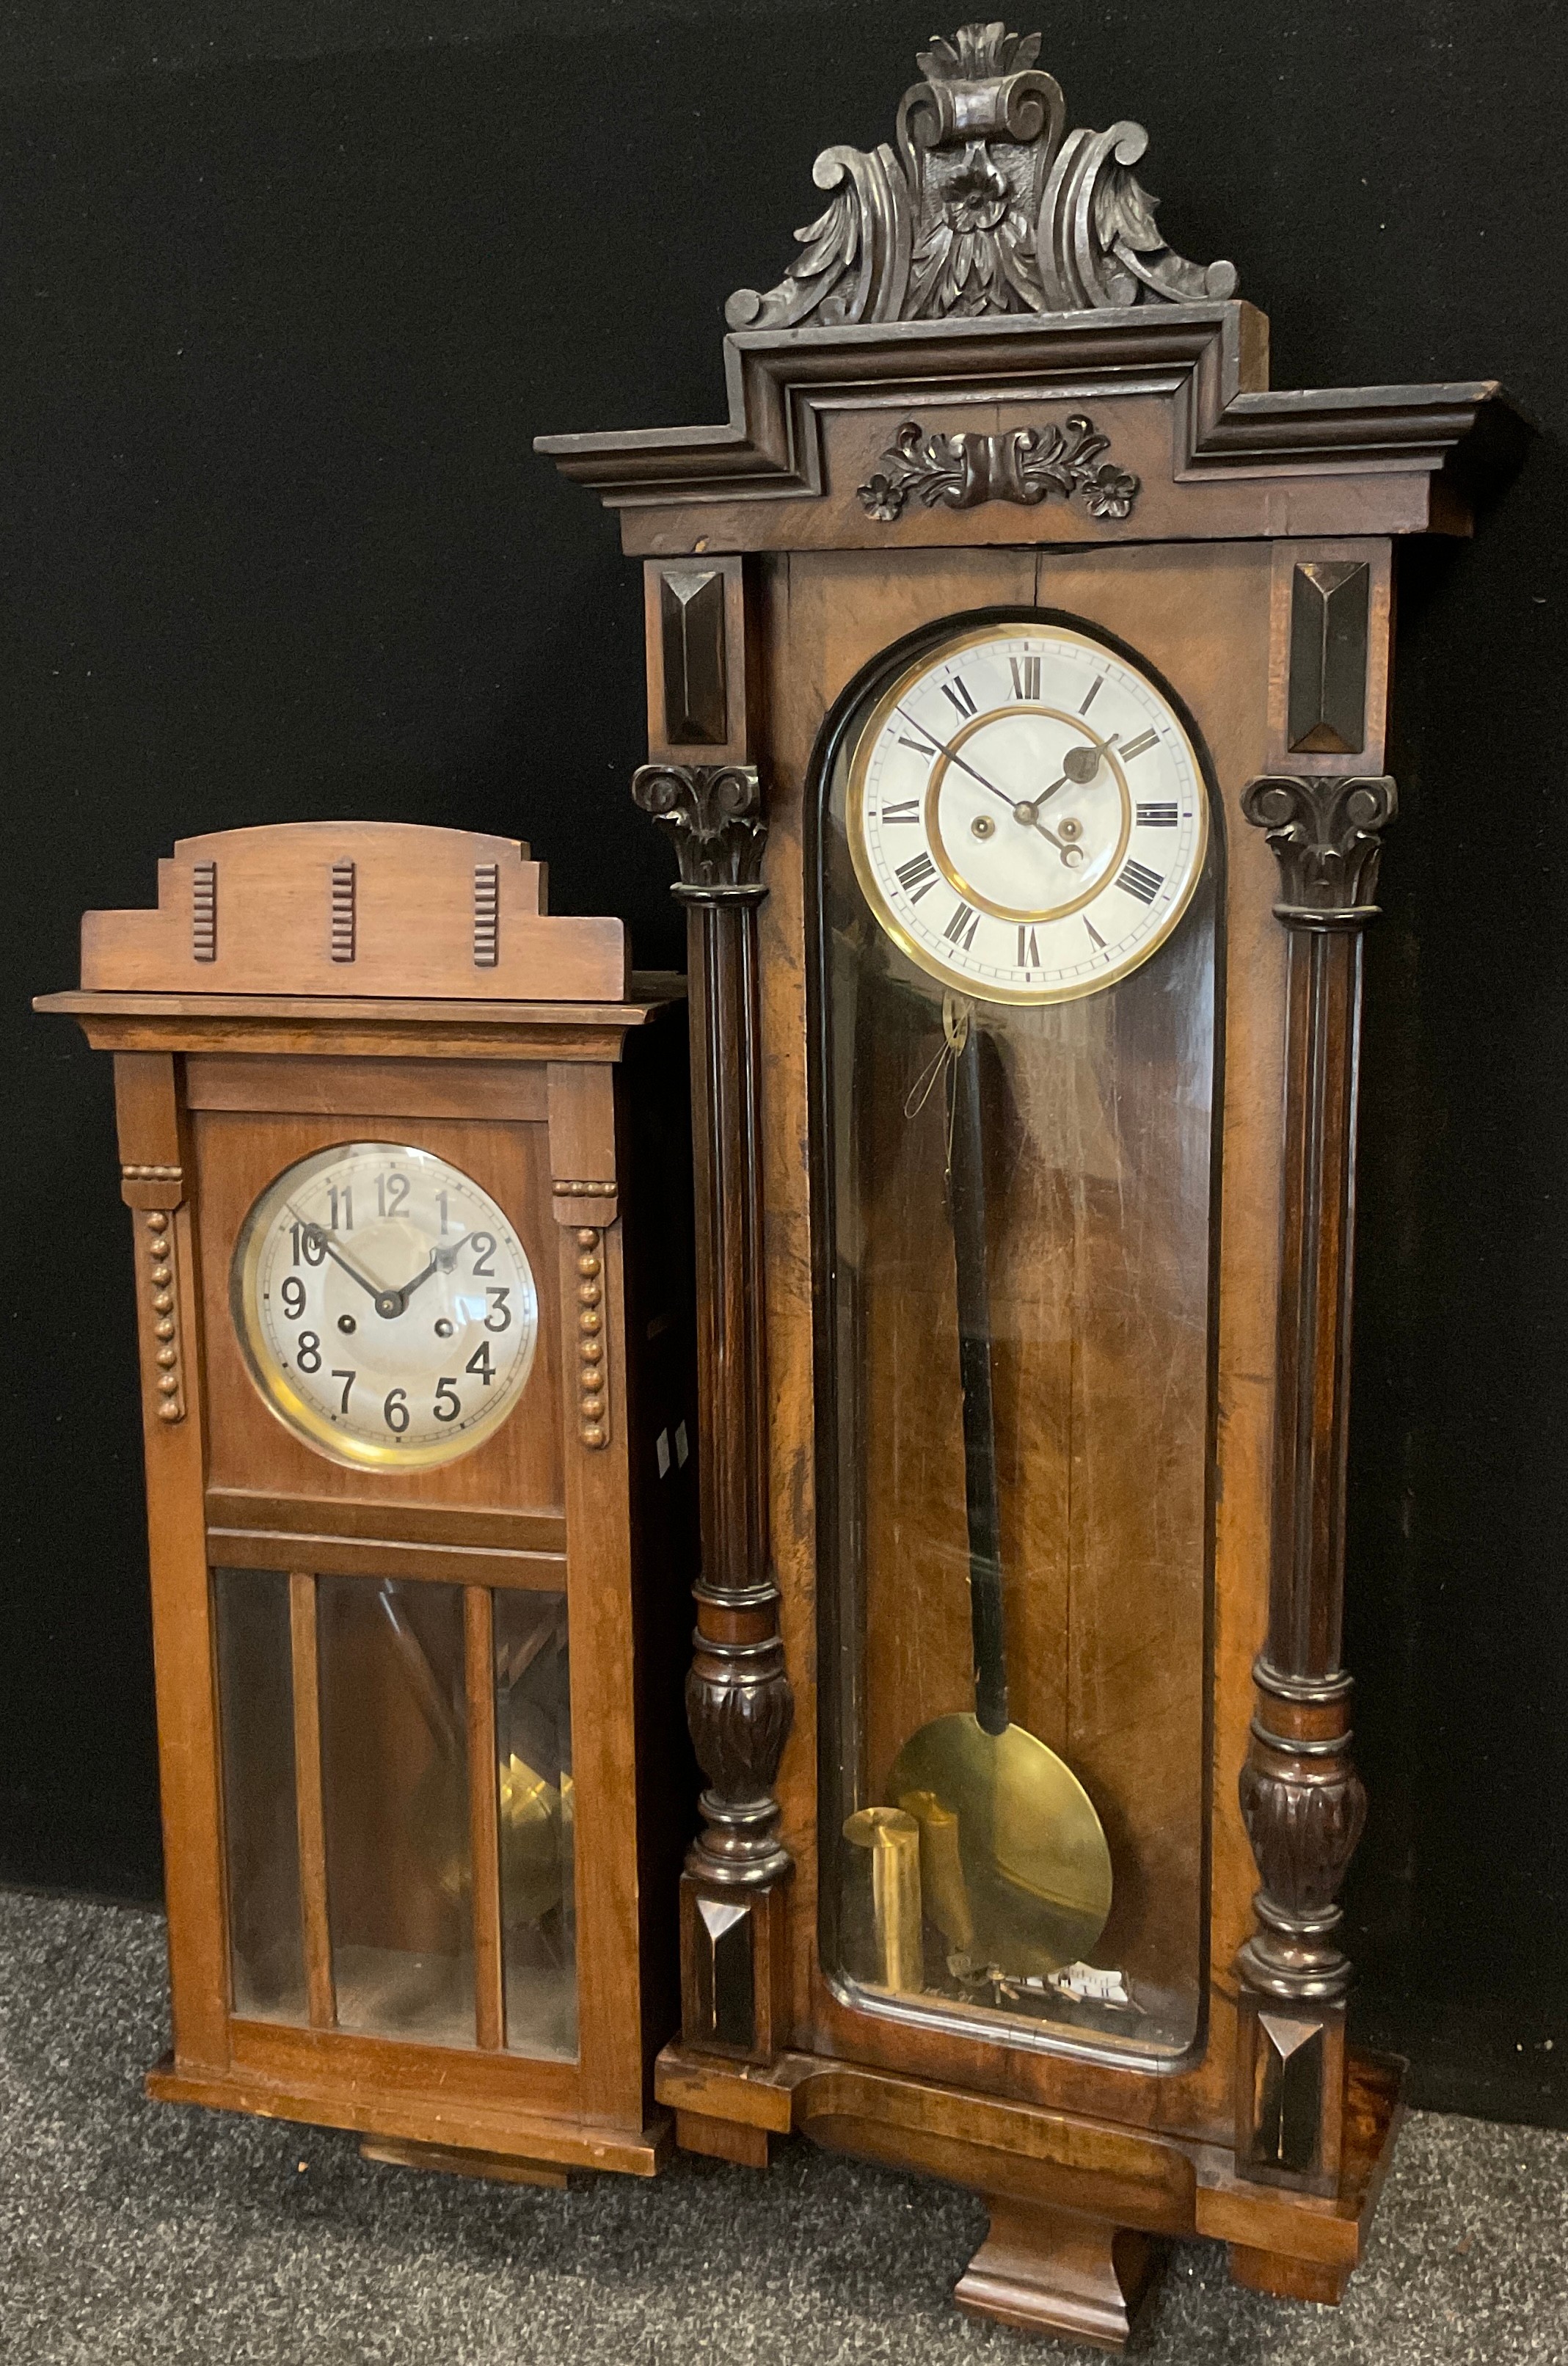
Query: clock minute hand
{"points": [[1023, 811]]}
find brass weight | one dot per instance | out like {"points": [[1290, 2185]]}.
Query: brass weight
{"points": [[893, 1841]]}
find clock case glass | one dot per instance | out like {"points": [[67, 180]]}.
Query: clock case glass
{"points": [[1101, 1190]]}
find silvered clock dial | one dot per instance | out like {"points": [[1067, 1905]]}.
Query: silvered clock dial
{"points": [[385, 1306]]}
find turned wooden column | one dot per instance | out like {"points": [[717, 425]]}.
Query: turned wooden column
{"points": [[1301, 1797], [738, 1701]]}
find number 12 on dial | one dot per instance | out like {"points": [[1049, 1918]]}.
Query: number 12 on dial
{"points": [[385, 1308]]}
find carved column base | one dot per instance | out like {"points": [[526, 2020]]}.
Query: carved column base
{"points": [[1048, 2271], [1304, 1806], [1289, 2092], [739, 1708], [736, 1887], [735, 1967]]}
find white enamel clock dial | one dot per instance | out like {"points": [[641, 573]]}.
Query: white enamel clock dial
{"points": [[385, 1306], [1027, 815]]}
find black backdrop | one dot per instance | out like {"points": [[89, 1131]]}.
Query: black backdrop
{"points": [[286, 288]]}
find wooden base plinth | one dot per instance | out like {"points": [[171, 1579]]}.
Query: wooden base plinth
{"points": [[1080, 2208], [418, 2128], [722, 2139], [1047, 2270], [1288, 2279], [453, 2160]]}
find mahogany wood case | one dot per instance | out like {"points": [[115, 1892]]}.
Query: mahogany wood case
{"points": [[304, 987], [987, 387]]}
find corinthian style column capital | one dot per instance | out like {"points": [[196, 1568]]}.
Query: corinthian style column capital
{"points": [[714, 815], [1325, 828]]}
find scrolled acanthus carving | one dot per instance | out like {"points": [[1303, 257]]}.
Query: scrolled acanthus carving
{"points": [[1022, 464], [986, 205], [715, 812], [1324, 829]]}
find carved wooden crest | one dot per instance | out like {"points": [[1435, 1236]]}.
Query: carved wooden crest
{"points": [[986, 204]]}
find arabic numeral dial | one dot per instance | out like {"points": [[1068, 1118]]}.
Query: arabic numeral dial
{"points": [[385, 1305], [1026, 812]]}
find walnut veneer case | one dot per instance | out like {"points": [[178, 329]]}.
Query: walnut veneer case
{"points": [[1018, 674], [409, 1166]]}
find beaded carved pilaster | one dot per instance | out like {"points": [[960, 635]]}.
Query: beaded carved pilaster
{"points": [[738, 1701], [1301, 1797]]}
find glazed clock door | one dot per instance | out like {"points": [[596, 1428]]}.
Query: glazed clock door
{"points": [[1014, 964], [388, 1316]]}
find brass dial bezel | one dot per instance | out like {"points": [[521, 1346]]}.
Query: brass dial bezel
{"points": [[287, 1404], [934, 656]]}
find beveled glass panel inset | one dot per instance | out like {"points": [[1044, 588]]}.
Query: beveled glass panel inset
{"points": [[261, 1836], [395, 1807], [533, 1739]]}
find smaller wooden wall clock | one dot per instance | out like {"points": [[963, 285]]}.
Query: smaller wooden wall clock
{"points": [[1018, 671], [409, 1171]]}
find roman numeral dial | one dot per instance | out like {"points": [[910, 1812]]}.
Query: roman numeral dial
{"points": [[1025, 811]]}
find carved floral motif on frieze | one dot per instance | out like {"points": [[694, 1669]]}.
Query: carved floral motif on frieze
{"points": [[986, 204], [1022, 464]]}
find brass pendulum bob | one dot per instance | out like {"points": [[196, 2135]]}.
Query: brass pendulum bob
{"points": [[531, 1810], [1015, 1869]]}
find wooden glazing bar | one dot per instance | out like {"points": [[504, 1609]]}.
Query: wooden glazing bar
{"points": [[479, 1642], [317, 1928], [368, 1557], [470, 1525]]}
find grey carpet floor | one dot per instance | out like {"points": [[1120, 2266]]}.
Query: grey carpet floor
{"points": [[133, 2234]]}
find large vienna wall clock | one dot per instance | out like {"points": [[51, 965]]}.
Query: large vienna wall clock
{"points": [[1018, 668]]}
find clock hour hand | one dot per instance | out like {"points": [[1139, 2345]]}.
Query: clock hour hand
{"points": [[441, 1260], [1081, 765], [1022, 811], [317, 1236]]}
